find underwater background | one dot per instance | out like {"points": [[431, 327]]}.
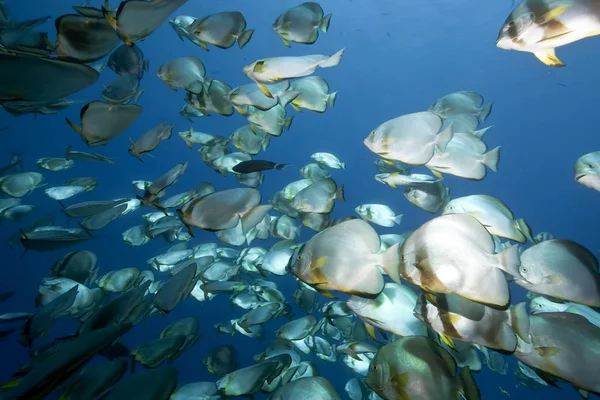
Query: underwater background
{"points": [[400, 56]]}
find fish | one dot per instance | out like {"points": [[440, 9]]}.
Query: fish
{"points": [[25, 76], [221, 30], [84, 38], [497, 218], [587, 170], [562, 269], [150, 139], [101, 122], [136, 20], [418, 367], [313, 94], [246, 167], [128, 60], [301, 24], [272, 70], [346, 258], [462, 103], [563, 345], [83, 156], [410, 138], [454, 253], [186, 73], [314, 387], [540, 26]]}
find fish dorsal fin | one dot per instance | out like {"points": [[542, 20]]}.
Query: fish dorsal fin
{"points": [[552, 14]]}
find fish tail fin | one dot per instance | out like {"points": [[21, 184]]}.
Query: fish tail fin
{"points": [[281, 167], [390, 259], [469, 387], [509, 260], [137, 95], [484, 112], [519, 321], [523, 227], [492, 158], [287, 123], [324, 24], [331, 99], [245, 38], [398, 219], [333, 60], [480, 132], [339, 193], [287, 97], [444, 137]]}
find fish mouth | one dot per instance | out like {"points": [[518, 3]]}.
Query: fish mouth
{"points": [[579, 176]]}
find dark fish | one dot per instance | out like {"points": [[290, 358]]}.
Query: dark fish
{"points": [[153, 384], [6, 295], [30, 77], [50, 372], [94, 380], [176, 289], [246, 167], [84, 39], [14, 166]]}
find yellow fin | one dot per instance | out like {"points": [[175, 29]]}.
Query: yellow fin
{"points": [[547, 351], [295, 107], [549, 58], [552, 14], [388, 162], [75, 127], [454, 318], [111, 20], [448, 341], [286, 42], [370, 330], [10, 384], [553, 279], [264, 90], [320, 262], [437, 174], [202, 44], [326, 294], [240, 110], [592, 33]]}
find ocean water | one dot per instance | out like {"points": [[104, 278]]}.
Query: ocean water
{"points": [[400, 56]]}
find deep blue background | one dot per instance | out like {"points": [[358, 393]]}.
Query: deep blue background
{"points": [[400, 56]]}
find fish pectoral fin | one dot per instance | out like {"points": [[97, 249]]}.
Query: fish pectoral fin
{"points": [[265, 90], [423, 265], [553, 279], [547, 351], [448, 341], [549, 58], [259, 67], [437, 174], [370, 330], [554, 37], [552, 14]]}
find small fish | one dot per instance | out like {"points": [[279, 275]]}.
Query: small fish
{"points": [[246, 167]]}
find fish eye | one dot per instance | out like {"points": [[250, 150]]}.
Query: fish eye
{"points": [[524, 270]]}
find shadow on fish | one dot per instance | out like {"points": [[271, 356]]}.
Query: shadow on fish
{"points": [[246, 167]]}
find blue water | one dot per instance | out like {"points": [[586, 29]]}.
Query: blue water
{"points": [[400, 56]]}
